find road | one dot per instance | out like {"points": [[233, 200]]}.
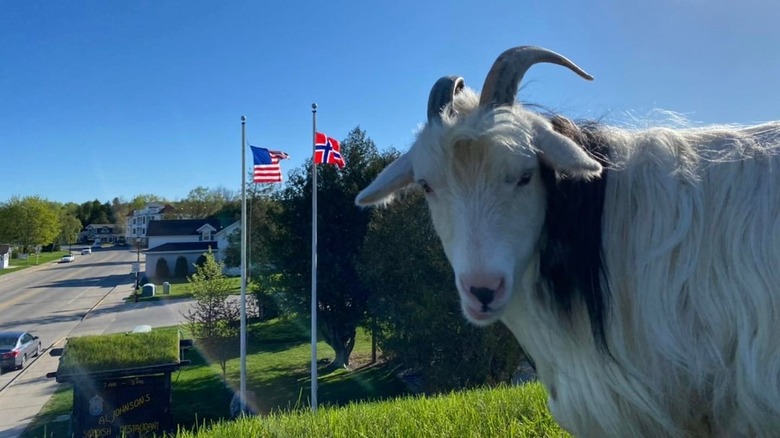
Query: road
{"points": [[60, 300]]}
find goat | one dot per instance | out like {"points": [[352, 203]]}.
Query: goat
{"points": [[640, 269]]}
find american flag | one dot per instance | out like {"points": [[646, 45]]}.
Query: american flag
{"points": [[327, 150], [267, 169]]}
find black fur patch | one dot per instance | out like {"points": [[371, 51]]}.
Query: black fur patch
{"points": [[571, 260]]}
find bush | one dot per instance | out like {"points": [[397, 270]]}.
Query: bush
{"points": [[161, 270], [200, 262], [182, 267]]}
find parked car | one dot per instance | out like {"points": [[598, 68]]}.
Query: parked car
{"points": [[86, 251], [17, 348], [67, 258]]}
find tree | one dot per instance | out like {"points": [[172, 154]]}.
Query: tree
{"points": [[213, 319], [182, 267], [416, 306], [29, 221], [203, 202], [161, 270], [342, 296], [70, 227]]}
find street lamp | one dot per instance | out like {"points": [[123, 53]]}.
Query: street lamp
{"points": [[138, 263]]}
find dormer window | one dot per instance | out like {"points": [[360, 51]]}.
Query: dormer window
{"points": [[205, 235]]}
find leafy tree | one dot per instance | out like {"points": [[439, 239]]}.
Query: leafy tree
{"points": [[139, 201], [29, 221], [213, 319], [203, 202], [414, 301], [162, 271], [341, 295], [182, 267], [70, 227]]}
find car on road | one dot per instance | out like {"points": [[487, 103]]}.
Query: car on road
{"points": [[86, 251], [67, 258], [17, 348]]}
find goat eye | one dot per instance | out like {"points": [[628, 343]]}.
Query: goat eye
{"points": [[524, 179], [424, 184]]}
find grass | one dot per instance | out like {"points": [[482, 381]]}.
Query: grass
{"points": [[179, 289], [365, 401], [119, 351], [505, 412], [45, 257]]}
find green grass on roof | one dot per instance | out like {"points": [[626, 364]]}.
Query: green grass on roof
{"points": [[119, 351]]}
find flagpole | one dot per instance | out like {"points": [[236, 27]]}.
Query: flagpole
{"points": [[242, 385], [313, 260]]}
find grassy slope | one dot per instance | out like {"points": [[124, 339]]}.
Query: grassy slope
{"points": [[502, 412]]}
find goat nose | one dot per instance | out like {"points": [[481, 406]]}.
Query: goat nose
{"points": [[484, 295]]}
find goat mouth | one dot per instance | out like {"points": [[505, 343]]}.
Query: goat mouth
{"points": [[483, 315]]}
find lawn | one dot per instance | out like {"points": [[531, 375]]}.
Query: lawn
{"points": [[45, 257], [179, 289]]}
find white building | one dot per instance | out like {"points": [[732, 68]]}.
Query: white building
{"points": [[187, 238], [138, 221]]}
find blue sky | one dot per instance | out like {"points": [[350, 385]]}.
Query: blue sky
{"points": [[113, 99]]}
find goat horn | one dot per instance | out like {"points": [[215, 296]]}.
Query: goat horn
{"points": [[441, 94], [504, 77]]}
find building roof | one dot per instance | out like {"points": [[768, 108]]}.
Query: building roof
{"points": [[179, 227], [184, 246], [112, 226], [5, 249], [167, 208]]}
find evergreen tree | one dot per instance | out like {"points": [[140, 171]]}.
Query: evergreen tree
{"points": [[341, 295]]}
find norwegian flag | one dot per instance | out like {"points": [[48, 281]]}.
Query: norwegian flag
{"points": [[327, 150]]}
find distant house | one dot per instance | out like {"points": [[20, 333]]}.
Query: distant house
{"points": [[188, 238], [5, 256], [103, 233], [138, 221]]}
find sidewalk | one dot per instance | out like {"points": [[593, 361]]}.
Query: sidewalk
{"points": [[24, 397]]}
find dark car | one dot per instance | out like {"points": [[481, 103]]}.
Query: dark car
{"points": [[17, 348]]}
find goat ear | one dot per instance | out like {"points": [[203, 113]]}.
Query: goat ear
{"points": [[393, 178], [566, 157]]}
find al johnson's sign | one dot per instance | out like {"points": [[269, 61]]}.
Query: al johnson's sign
{"points": [[127, 407]]}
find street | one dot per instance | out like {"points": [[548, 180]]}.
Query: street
{"points": [[60, 300]]}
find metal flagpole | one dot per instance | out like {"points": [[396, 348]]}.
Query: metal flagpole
{"points": [[242, 385], [313, 260]]}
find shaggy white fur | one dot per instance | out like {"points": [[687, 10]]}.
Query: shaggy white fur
{"points": [[691, 244]]}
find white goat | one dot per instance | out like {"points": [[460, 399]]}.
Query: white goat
{"points": [[640, 270]]}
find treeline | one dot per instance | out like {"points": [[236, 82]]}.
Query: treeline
{"points": [[380, 269], [31, 222]]}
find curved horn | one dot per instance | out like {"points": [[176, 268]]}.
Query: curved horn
{"points": [[504, 77], [441, 94]]}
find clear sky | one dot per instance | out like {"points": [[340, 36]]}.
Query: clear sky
{"points": [[102, 99]]}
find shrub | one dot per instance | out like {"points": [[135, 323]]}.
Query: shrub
{"points": [[161, 270], [182, 267], [200, 261]]}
